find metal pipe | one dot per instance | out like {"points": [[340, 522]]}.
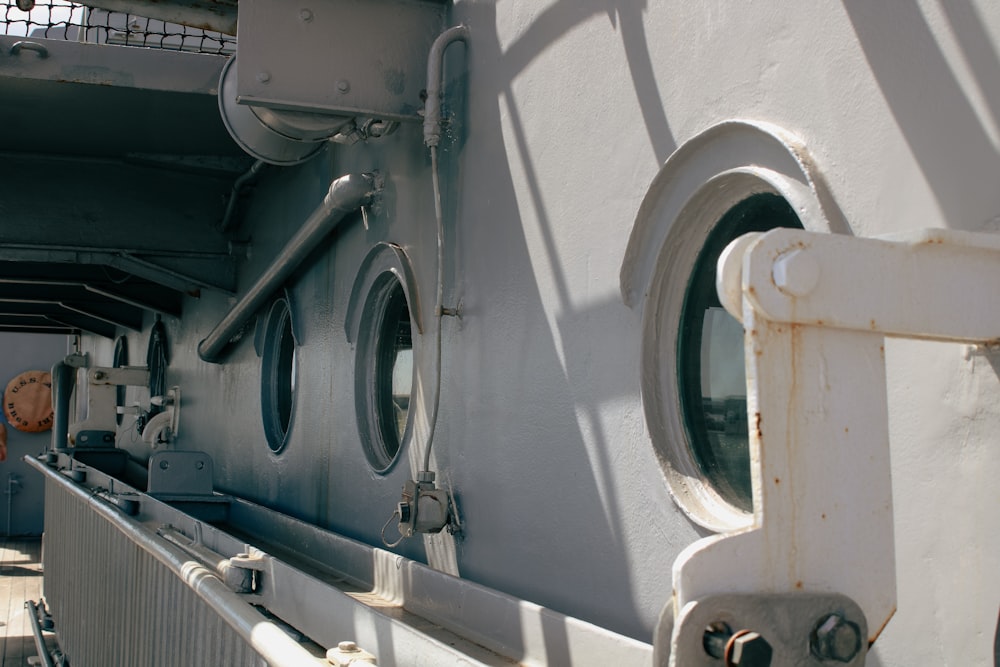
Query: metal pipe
{"points": [[346, 194], [435, 63], [269, 640], [238, 185], [36, 630], [63, 379], [432, 136]]}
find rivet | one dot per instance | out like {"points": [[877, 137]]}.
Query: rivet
{"points": [[263, 77], [306, 15], [343, 86], [347, 647]]}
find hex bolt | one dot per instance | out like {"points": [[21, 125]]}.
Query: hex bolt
{"points": [[835, 638], [348, 647], [343, 86], [796, 272], [715, 638], [748, 649]]}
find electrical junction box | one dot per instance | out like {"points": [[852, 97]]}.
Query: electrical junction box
{"points": [[338, 57]]}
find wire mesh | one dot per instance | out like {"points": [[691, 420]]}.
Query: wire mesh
{"points": [[75, 22]]}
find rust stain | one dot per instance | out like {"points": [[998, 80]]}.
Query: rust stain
{"points": [[871, 640], [847, 430], [752, 289], [823, 516], [756, 424], [819, 323], [798, 585], [873, 325], [777, 481]]}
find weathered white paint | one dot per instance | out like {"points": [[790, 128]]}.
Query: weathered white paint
{"points": [[566, 112]]}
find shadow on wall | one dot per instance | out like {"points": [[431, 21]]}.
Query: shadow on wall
{"points": [[563, 549], [949, 140]]}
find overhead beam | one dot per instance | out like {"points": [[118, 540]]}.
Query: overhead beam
{"points": [[217, 15], [159, 224]]}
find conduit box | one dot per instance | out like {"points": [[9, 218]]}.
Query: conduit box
{"points": [[340, 57]]}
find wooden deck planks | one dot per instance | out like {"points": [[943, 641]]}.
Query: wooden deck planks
{"points": [[20, 580]]}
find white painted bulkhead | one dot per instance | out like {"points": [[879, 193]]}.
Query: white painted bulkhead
{"points": [[566, 112]]}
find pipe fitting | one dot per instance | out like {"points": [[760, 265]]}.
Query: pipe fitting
{"points": [[435, 63], [346, 195]]}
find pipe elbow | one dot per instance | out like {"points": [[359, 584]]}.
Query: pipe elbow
{"points": [[435, 64], [158, 430]]}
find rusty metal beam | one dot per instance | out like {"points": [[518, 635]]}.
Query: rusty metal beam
{"points": [[218, 15]]}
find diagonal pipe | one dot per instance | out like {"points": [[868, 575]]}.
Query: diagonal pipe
{"points": [[346, 195]]}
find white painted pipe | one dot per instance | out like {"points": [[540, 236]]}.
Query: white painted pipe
{"points": [[346, 195], [36, 631], [266, 638]]}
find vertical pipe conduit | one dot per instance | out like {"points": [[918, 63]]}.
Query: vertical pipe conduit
{"points": [[346, 195], [432, 137]]}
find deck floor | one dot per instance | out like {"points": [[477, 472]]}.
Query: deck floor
{"points": [[20, 580]]}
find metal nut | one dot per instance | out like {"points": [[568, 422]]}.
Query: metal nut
{"points": [[796, 272], [836, 638], [748, 649]]}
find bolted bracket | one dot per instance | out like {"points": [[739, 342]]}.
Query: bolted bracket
{"points": [[759, 630]]}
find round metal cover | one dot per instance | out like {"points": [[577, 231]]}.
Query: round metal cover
{"points": [[276, 137]]}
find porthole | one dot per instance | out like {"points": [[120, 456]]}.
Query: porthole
{"points": [[279, 361], [735, 177], [120, 360], [384, 371], [710, 362]]}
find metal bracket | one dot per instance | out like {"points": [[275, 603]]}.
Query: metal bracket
{"points": [[798, 630], [180, 473], [818, 418], [101, 387]]}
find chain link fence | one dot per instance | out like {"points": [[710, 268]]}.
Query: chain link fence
{"points": [[74, 22]]}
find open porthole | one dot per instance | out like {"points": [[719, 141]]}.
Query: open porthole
{"points": [[382, 318], [735, 178], [278, 366], [384, 384]]}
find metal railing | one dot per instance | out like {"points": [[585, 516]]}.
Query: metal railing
{"points": [[68, 21]]}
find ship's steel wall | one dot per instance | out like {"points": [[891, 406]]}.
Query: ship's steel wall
{"points": [[115, 604], [564, 116]]}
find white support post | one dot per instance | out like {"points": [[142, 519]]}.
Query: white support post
{"points": [[816, 309]]}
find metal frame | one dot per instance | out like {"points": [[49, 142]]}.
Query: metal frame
{"points": [[817, 408]]}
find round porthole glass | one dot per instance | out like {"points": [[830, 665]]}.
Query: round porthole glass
{"points": [[384, 371], [278, 375], [710, 360]]}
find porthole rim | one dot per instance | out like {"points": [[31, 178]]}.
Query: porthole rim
{"points": [[279, 314]]}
